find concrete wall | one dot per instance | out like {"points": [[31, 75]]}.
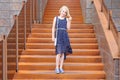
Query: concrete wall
{"points": [[111, 65], [87, 10], [43, 4], [114, 5], [8, 8]]}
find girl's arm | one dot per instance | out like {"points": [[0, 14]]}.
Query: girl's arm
{"points": [[69, 22], [53, 29]]}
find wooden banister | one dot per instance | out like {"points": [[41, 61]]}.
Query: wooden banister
{"points": [[16, 22], [25, 25], [3, 39], [111, 24]]}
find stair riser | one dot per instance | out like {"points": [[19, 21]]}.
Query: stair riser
{"points": [[21, 35], [72, 60], [82, 26], [71, 31], [70, 35], [50, 41], [52, 60], [75, 22], [13, 40], [20, 31], [56, 12], [80, 53], [56, 76], [51, 19], [52, 67], [52, 47]]}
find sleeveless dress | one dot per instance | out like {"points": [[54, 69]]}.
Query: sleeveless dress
{"points": [[62, 43]]}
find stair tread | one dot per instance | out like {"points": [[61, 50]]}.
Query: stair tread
{"points": [[54, 50], [52, 72], [66, 72], [52, 44], [70, 38], [53, 56], [53, 63], [50, 56]]}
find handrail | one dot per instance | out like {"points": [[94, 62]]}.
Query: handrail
{"points": [[31, 15], [111, 24], [17, 53], [3, 39], [25, 24], [16, 18]]}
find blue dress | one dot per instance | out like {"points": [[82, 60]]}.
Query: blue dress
{"points": [[63, 42]]}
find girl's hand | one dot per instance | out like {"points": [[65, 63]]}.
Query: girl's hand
{"points": [[70, 18], [53, 39]]}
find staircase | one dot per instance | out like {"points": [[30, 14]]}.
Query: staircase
{"points": [[38, 60]]}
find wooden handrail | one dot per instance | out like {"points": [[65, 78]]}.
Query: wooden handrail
{"points": [[33, 6], [31, 15], [3, 39], [104, 9], [111, 24], [25, 24], [17, 53]]}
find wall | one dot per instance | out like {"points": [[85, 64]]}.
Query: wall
{"points": [[114, 5], [87, 10], [43, 4], [8, 8], [111, 64]]}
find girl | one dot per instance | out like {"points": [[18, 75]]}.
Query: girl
{"points": [[59, 35]]}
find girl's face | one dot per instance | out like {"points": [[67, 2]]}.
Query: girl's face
{"points": [[63, 12]]}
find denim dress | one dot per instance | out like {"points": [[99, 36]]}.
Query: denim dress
{"points": [[63, 43]]}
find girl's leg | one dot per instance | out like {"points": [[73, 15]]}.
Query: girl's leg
{"points": [[61, 60], [57, 60]]}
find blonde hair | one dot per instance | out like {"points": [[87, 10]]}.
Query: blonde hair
{"points": [[67, 9]]}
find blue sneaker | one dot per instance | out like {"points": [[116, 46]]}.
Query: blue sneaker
{"points": [[57, 71], [61, 71]]}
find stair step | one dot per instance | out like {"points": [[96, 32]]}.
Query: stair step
{"points": [[51, 46], [72, 40], [51, 66], [73, 26], [73, 22], [80, 52], [38, 30], [13, 40], [51, 19], [41, 74], [20, 35], [71, 35], [51, 58], [56, 12]]}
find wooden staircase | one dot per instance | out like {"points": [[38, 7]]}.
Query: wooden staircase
{"points": [[38, 60]]}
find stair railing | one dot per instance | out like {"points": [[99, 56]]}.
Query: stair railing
{"points": [[17, 34], [17, 44], [25, 25], [111, 24], [106, 12], [3, 40]]}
